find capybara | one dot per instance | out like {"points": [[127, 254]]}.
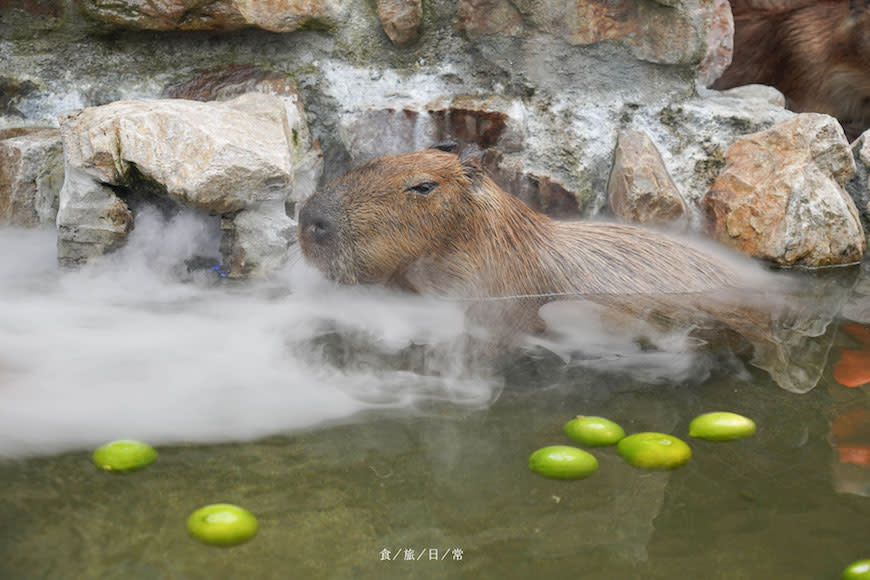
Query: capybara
{"points": [[816, 52], [432, 222]]}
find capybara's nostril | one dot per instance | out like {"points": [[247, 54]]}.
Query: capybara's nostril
{"points": [[321, 229], [315, 226]]}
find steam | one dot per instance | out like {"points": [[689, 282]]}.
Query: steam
{"points": [[152, 343], [138, 346]]}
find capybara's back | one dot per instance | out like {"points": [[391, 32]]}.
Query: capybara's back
{"points": [[432, 222], [816, 52]]}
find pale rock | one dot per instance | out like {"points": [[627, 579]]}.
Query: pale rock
{"points": [[256, 240], [223, 158], [226, 83], [31, 174], [91, 220], [781, 195], [216, 157], [640, 190]]}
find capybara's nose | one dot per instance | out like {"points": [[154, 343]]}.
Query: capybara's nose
{"points": [[315, 225]]}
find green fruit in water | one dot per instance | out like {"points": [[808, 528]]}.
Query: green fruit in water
{"points": [[859, 570], [222, 524], [654, 450], [721, 426], [593, 431], [563, 462], [124, 455]]}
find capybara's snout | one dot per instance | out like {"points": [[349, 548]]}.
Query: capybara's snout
{"points": [[319, 221], [315, 225]]}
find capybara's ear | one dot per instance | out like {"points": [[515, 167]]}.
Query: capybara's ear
{"points": [[446, 146], [471, 158]]}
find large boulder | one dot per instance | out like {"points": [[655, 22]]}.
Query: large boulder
{"points": [[227, 158], [781, 195], [31, 174], [284, 16]]}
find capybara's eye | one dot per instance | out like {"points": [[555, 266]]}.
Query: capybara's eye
{"points": [[423, 188]]}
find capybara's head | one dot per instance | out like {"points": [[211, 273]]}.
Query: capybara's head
{"points": [[371, 225]]}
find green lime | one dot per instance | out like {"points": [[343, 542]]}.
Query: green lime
{"points": [[222, 524], [654, 450], [124, 455], [721, 426], [593, 431], [859, 570], [563, 462]]}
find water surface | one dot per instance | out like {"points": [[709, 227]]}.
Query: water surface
{"points": [[311, 407]]}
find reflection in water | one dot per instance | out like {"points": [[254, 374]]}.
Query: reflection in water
{"points": [[347, 423], [850, 425]]}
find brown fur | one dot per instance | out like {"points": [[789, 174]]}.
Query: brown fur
{"points": [[816, 52], [431, 222], [468, 237]]}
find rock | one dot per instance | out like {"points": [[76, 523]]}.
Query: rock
{"points": [[401, 20], [210, 156], [756, 93], [92, 220], [484, 17], [693, 135], [781, 195], [12, 90], [284, 16], [720, 44], [859, 186], [224, 83], [38, 8], [640, 189], [667, 33], [31, 174], [256, 239], [225, 158]]}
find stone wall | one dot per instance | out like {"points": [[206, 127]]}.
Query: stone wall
{"points": [[549, 87]]}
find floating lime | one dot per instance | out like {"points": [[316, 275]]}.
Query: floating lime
{"points": [[124, 455], [721, 426], [859, 570], [563, 462], [222, 524], [654, 450], [593, 431]]}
